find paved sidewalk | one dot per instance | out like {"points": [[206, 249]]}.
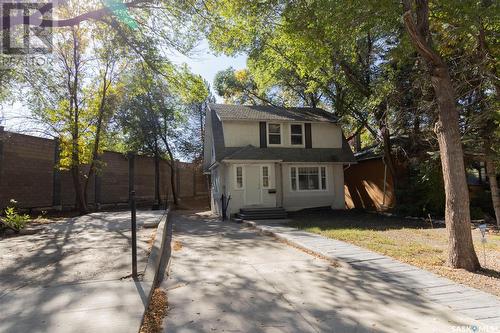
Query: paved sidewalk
{"points": [[461, 299], [70, 278], [226, 277]]}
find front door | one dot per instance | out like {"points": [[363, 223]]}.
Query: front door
{"points": [[253, 193]]}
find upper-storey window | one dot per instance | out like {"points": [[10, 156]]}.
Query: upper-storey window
{"points": [[274, 134], [297, 134]]}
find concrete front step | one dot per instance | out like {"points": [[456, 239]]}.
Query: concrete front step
{"points": [[262, 209], [262, 217], [263, 213]]}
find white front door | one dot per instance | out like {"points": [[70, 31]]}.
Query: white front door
{"points": [[253, 193]]}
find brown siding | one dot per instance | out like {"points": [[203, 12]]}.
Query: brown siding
{"points": [[364, 186]]}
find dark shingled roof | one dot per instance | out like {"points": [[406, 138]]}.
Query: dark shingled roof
{"points": [[340, 155], [262, 112]]}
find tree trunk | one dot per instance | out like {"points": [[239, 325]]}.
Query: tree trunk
{"points": [[172, 180], [81, 205], [492, 178], [97, 140], [461, 253]]}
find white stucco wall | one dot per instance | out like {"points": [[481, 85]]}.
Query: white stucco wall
{"points": [[326, 135], [238, 195], [292, 200], [333, 196], [241, 133]]}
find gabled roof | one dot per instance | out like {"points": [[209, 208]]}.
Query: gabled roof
{"points": [[262, 112], [339, 155]]}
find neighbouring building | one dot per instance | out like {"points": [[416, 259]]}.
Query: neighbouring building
{"points": [[263, 156]]}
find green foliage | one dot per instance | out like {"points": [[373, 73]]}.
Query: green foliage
{"points": [[13, 219], [155, 111], [424, 193]]}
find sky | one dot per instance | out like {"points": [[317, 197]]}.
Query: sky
{"points": [[202, 62], [207, 64]]}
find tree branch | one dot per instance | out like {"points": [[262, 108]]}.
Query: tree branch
{"points": [[419, 41], [37, 19]]}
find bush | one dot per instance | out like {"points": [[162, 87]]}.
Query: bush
{"points": [[13, 219], [424, 193]]}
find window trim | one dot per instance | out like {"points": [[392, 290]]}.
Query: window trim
{"points": [[269, 133], [269, 178], [236, 166], [320, 180], [302, 125]]}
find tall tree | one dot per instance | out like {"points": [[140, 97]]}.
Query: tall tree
{"points": [[461, 253], [154, 111]]}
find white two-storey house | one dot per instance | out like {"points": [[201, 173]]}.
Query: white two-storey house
{"points": [[263, 156]]}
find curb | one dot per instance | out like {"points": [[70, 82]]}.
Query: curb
{"points": [[288, 241], [159, 259]]}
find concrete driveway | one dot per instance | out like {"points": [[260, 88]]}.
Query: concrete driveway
{"points": [[228, 278], [71, 276]]}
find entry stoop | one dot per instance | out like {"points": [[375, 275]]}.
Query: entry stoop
{"points": [[262, 214]]}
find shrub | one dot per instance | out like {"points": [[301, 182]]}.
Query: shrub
{"points": [[13, 219], [424, 193]]}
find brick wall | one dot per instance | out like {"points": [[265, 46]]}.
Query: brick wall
{"points": [[28, 175]]}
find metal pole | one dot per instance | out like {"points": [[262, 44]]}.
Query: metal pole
{"points": [[133, 210]]}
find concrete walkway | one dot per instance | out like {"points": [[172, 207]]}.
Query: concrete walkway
{"points": [[461, 299], [71, 276], [226, 277]]}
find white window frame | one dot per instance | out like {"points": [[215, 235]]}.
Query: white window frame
{"points": [[269, 179], [303, 144], [236, 166], [269, 133], [320, 182]]}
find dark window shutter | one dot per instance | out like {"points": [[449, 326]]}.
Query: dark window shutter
{"points": [[263, 135], [308, 136]]}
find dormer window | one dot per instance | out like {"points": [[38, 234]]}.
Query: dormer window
{"points": [[274, 134], [297, 134]]}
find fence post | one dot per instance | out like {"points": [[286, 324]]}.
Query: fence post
{"points": [[194, 181], [133, 212], [56, 178], [156, 204], [177, 178], [97, 184]]}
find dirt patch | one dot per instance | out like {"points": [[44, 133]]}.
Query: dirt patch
{"points": [[177, 245], [151, 242], [157, 310]]}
